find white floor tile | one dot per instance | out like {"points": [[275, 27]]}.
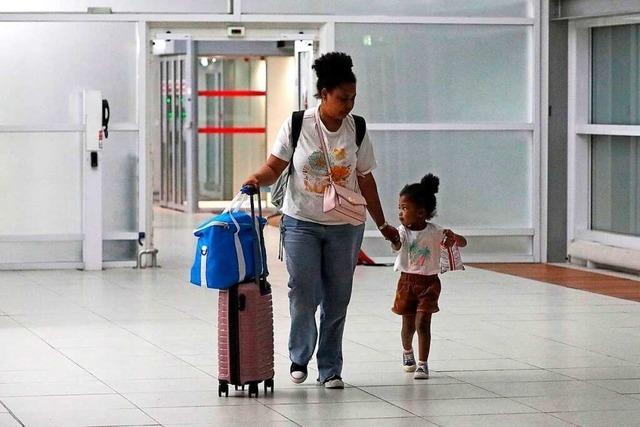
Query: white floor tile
{"points": [[256, 414], [7, 420], [176, 399], [611, 373], [81, 418], [620, 386], [425, 390], [502, 420], [590, 402], [541, 388], [372, 422], [316, 395], [601, 418], [53, 388], [300, 413], [440, 407]]}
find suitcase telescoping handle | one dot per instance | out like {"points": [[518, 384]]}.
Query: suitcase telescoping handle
{"points": [[261, 279]]}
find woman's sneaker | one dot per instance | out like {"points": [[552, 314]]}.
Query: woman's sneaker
{"points": [[422, 372], [334, 381], [298, 373], [408, 361]]}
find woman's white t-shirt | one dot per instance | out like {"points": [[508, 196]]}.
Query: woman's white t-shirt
{"points": [[304, 195], [420, 251]]}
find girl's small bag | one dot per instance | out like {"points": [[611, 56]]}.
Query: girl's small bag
{"points": [[450, 259], [340, 202]]}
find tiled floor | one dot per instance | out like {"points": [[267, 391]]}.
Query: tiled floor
{"points": [[130, 347]]}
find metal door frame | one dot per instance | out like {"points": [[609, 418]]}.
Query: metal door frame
{"points": [[173, 145]]}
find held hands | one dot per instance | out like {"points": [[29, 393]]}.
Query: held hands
{"points": [[391, 234]]}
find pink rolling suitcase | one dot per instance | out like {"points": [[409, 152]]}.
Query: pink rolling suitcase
{"points": [[245, 327]]}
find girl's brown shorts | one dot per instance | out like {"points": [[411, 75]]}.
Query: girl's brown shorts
{"points": [[417, 293]]}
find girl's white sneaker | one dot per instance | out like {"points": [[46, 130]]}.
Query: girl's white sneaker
{"points": [[421, 373], [408, 361]]}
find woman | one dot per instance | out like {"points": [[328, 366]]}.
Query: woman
{"points": [[321, 252]]}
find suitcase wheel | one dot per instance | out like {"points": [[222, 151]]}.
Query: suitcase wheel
{"points": [[268, 384], [253, 389], [223, 387]]}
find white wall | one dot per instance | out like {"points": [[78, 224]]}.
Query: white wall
{"points": [[281, 94], [41, 138]]}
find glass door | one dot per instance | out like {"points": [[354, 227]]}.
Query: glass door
{"points": [[173, 189], [231, 125]]}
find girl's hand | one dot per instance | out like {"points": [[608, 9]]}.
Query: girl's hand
{"points": [[449, 238]]}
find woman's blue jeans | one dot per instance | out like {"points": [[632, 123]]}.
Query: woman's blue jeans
{"points": [[320, 260]]}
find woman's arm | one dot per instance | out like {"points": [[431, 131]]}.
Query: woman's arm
{"points": [[268, 173], [369, 190]]}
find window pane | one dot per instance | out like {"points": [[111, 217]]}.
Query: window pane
{"points": [[440, 73], [45, 86], [497, 8], [157, 6], [615, 81], [615, 175], [484, 176]]}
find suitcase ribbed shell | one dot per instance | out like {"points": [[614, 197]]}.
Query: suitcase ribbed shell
{"points": [[255, 336]]}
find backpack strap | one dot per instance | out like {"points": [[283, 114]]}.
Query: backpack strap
{"points": [[361, 128], [296, 127]]}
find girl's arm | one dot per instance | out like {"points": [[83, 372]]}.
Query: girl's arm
{"points": [[452, 238]]}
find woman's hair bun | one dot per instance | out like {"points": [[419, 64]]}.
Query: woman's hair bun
{"points": [[332, 63], [430, 182]]}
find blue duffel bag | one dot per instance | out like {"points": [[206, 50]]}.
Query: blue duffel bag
{"points": [[226, 249]]}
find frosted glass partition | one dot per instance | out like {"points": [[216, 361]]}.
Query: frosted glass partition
{"points": [[484, 176], [440, 73], [154, 6], [615, 184], [492, 8], [36, 252], [120, 182], [615, 75], [493, 245], [51, 63], [40, 183], [119, 250]]}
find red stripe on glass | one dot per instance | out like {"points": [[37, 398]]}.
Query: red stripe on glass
{"points": [[231, 130], [232, 93]]}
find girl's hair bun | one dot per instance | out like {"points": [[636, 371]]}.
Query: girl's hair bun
{"points": [[430, 182]]}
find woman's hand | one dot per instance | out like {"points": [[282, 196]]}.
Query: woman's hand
{"points": [[252, 180]]}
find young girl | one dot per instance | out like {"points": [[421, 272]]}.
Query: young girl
{"points": [[419, 263]]}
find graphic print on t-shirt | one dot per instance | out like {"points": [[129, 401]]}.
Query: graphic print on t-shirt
{"points": [[419, 253], [315, 170]]}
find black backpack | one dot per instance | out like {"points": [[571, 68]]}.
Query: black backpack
{"points": [[279, 188]]}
